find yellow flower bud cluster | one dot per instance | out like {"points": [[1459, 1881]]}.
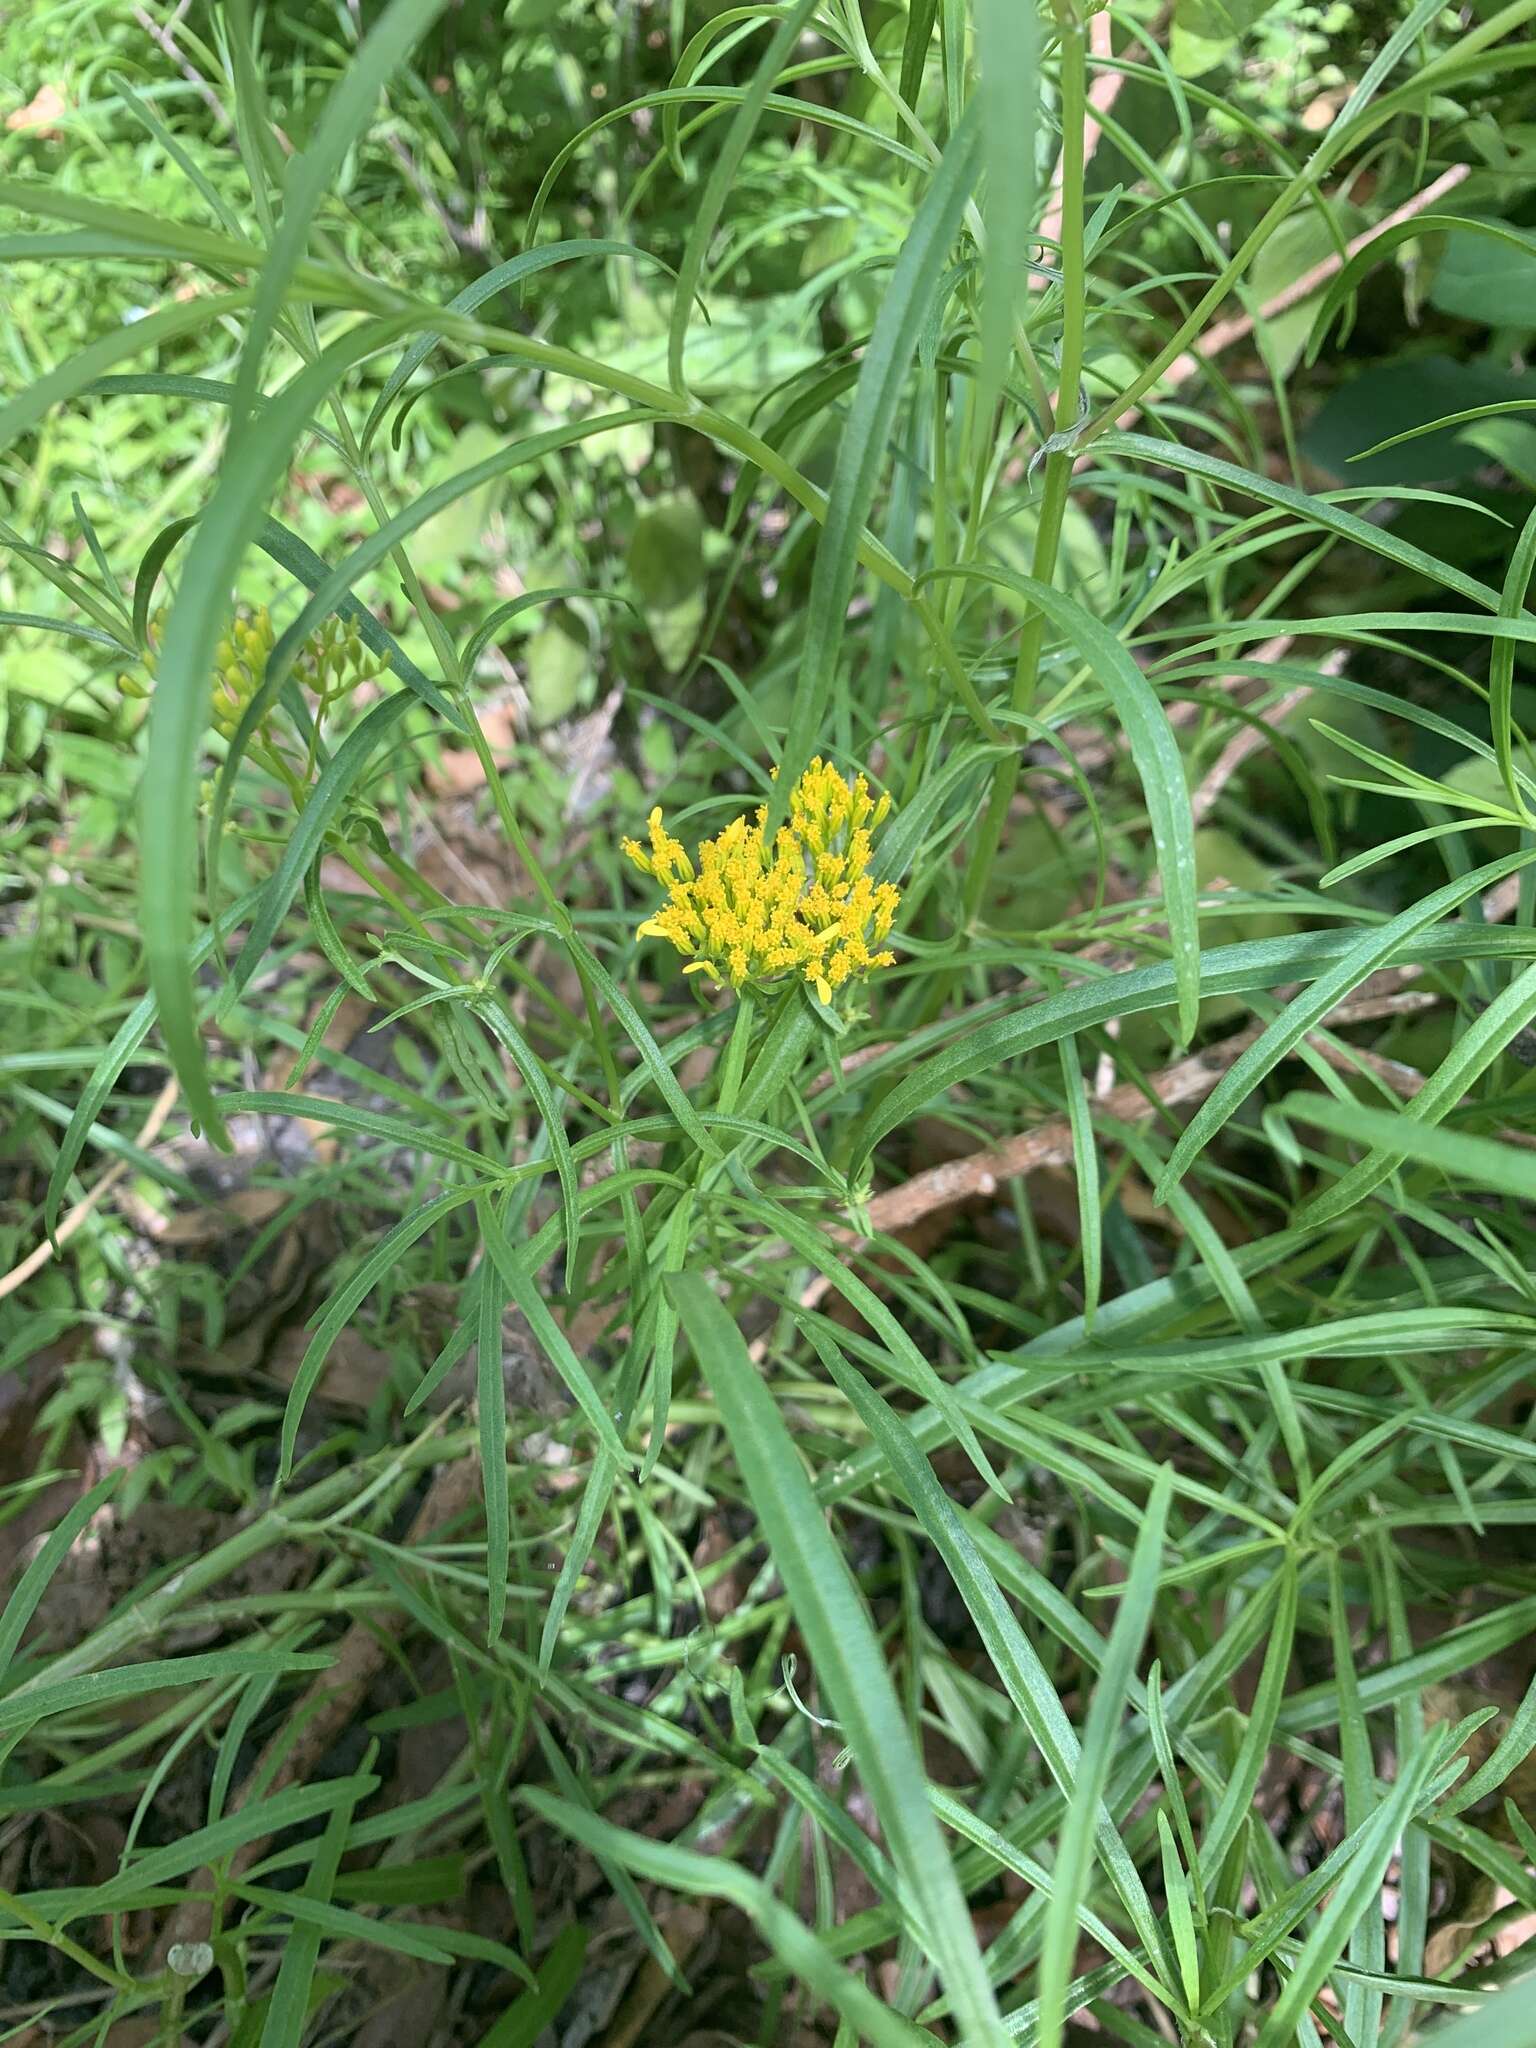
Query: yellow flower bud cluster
{"points": [[753, 909], [136, 687], [239, 663], [332, 662]]}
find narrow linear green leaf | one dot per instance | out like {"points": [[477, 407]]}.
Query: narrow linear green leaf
{"points": [[33, 1583], [1070, 1871], [344, 118], [1375, 948], [491, 1400], [1483, 1161], [381, 1260], [1013, 1656], [1475, 1050], [502, 278], [865, 438], [553, 1342], [1007, 86], [41, 1697], [179, 706], [288, 2011], [1158, 761], [849, 1664], [1225, 970], [723, 173], [715, 1877]]}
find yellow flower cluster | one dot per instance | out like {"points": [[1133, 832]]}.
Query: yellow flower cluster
{"points": [[803, 903]]}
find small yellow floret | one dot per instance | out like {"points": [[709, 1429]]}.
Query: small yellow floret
{"points": [[803, 903]]}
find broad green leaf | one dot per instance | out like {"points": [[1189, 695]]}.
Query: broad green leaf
{"points": [[1487, 274]]}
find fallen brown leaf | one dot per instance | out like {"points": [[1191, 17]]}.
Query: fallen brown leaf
{"points": [[40, 115]]}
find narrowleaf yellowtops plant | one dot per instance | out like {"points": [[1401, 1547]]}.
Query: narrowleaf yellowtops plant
{"points": [[752, 909]]}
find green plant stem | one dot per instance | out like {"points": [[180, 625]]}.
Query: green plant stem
{"points": [[1058, 463], [746, 1089]]}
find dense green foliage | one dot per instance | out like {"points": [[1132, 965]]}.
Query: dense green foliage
{"points": [[1006, 1482]]}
